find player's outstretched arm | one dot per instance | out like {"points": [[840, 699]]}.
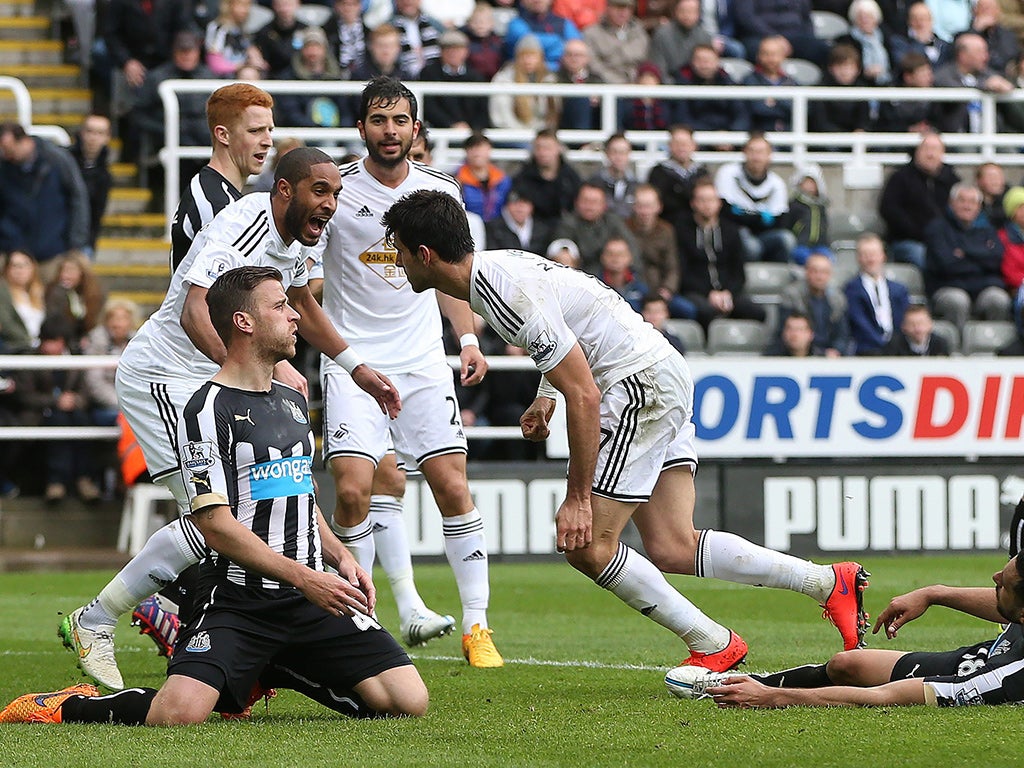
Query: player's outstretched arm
{"points": [[742, 692], [236, 542], [976, 601], [317, 329], [574, 379]]}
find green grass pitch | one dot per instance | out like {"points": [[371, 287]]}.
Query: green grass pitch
{"points": [[582, 686]]}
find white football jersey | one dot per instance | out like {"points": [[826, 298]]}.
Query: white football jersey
{"points": [[366, 294], [243, 233], [544, 307]]}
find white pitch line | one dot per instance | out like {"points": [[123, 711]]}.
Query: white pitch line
{"points": [[532, 662]]}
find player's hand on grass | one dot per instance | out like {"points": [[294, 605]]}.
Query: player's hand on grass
{"points": [[742, 692], [379, 387], [474, 366], [900, 610], [534, 421], [573, 525], [286, 373]]}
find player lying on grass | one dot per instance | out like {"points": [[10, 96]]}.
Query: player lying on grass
{"points": [[991, 672], [271, 616], [629, 400]]}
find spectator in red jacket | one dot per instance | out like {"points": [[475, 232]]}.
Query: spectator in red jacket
{"points": [[1012, 237]]}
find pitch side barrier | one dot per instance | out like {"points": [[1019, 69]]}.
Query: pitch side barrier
{"points": [[815, 457], [860, 155]]}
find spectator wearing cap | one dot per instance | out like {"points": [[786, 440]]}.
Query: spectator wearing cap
{"points": [[419, 36], [515, 227], [484, 185], [148, 115], [347, 35], [618, 43], [565, 252], [645, 113], [313, 63], [485, 45], [280, 37], [672, 44], [524, 111], [551, 30], [547, 178], [454, 110], [1011, 234], [582, 113]]}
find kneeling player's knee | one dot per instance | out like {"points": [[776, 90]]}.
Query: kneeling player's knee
{"points": [[398, 692]]}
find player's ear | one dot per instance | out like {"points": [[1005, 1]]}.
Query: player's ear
{"points": [[221, 134], [243, 321], [284, 188]]}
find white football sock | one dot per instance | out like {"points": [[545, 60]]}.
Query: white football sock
{"points": [[392, 543], [636, 581], [730, 557], [467, 554], [359, 540], [168, 552]]}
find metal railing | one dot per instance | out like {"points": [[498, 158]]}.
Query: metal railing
{"points": [[23, 108], [797, 145]]}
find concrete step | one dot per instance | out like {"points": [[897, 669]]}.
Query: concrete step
{"points": [[125, 175], [69, 121], [28, 522], [128, 199], [146, 280], [50, 76], [13, 52], [14, 8], [134, 224], [25, 28], [132, 250], [59, 100]]}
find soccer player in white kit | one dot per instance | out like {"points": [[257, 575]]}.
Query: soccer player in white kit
{"points": [[177, 349], [629, 398], [369, 300]]}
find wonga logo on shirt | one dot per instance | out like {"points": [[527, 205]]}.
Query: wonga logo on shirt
{"points": [[281, 477]]}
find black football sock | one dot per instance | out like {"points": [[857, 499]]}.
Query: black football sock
{"points": [[127, 707], [807, 676]]}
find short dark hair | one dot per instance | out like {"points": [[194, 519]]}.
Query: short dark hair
{"points": [[475, 139], [913, 60], [232, 292], [387, 91], [842, 53], [798, 316], [1018, 590], [296, 164], [17, 130], [653, 298], [431, 218], [56, 327]]}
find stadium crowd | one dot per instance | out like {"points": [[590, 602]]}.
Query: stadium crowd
{"points": [[676, 244]]}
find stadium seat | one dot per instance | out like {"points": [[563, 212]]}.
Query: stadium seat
{"points": [[848, 226], [845, 266], [691, 334], [984, 337], [803, 71], [737, 69], [259, 17], [743, 338], [950, 333], [910, 276], [139, 518], [313, 15], [828, 25], [766, 280]]}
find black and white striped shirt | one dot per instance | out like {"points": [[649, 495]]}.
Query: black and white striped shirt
{"points": [[206, 195], [253, 452]]}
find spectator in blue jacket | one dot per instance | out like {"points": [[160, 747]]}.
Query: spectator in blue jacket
{"points": [[535, 18], [484, 186], [44, 204], [963, 265], [875, 304]]}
